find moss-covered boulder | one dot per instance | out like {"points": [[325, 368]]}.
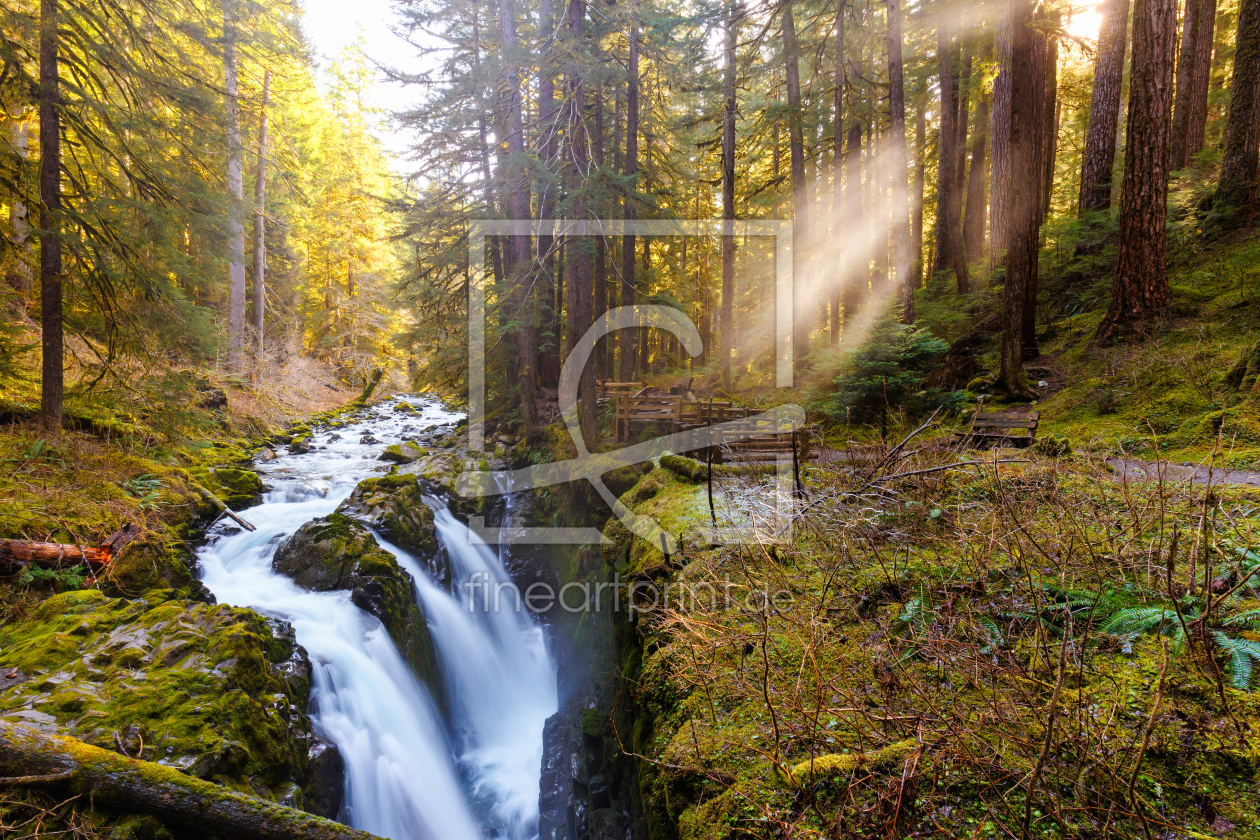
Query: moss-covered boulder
{"points": [[403, 453], [153, 561], [437, 473], [238, 488], [215, 691], [394, 505], [335, 553]]}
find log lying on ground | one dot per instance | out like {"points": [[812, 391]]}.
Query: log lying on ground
{"points": [[16, 555], [30, 757]]}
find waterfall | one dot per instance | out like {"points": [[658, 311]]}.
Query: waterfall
{"points": [[408, 776]]}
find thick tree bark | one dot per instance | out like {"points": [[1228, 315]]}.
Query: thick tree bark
{"points": [[578, 275], [260, 206], [1026, 125], [837, 172], [802, 318], [1104, 108], [733, 14], [975, 211], [487, 178], [1000, 136], [631, 341], [518, 208], [1236, 188], [1194, 69], [949, 248], [30, 757], [1140, 288], [236, 194], [904, 279], [52, 386]]}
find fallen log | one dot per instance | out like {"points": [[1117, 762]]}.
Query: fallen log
{"points": [[30, 757], [223, 508], [16, 555]]}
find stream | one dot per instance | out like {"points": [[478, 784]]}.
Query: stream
{"points": [[409, 774]]}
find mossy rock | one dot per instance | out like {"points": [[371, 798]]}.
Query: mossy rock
{"points": [[394, 505], [335, 553], [300, 445], [214, 691], [403, 453], [405, 408], [240, 488], [154, 561], [437, 473]]}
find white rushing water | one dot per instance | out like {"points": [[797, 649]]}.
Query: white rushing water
{"points": [[408, 777]]}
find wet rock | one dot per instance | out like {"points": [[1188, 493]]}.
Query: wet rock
{"points": [[367, 440], [265, 454], [334, 436], [325, 780], [402, 453], [405, 408], [394, 505], [607, 824], [300, 446], [335, 553]]}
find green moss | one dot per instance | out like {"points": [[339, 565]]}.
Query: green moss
{"points": [[202, 687]]}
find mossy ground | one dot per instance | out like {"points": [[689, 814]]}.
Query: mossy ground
{"points": [[138, 661], [936, 663]]}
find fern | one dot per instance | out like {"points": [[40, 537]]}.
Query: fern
{"points": [[996, 639], [1243, 618], [1131, 622], [1244, 654]]}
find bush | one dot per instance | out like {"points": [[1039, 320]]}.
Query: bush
{"points": [[888, 371]]}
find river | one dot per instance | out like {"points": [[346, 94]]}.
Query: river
{"points": [[410, 773]]}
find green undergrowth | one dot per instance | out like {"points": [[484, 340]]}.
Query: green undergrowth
{"points": [[974, 652]]}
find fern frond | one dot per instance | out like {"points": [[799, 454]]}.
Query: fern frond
{"points": [[1135, 621]]}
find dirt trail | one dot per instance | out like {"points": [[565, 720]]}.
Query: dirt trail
{"points": [[1134, 470]]}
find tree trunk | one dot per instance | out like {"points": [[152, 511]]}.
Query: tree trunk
{"points": [[631, 341], [547, 317], [1236, 188], [974, 218], [1050, 135], [796, 145], [600, 289], [236, 195], [904, 279], [31, 757], [260, 204], [1041, 71], [963, 95], [578, 276], [19, 278], [1028, 89], [733, 14], [50, 271], [920, 179], [949, 250], [518, 207], [1000, 133], [839, 223], [1194, 68], [1104, 108], [855, 256], [1140, 289]]}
